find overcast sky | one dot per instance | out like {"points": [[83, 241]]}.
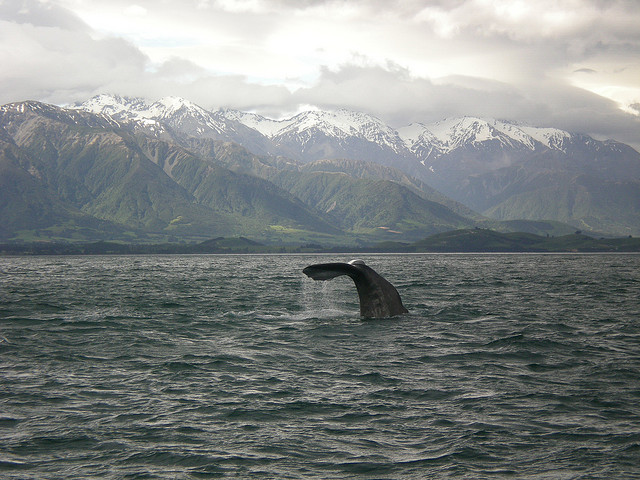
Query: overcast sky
{"points": [[572, 64]]}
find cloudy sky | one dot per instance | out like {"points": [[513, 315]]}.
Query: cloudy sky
{"points": [[572, 64]]}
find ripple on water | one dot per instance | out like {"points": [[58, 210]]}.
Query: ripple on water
{"points": [[239, 367]]}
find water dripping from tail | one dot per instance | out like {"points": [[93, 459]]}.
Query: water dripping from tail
{"points": [[324, 300]]}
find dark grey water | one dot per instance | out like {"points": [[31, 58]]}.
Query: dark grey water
{"points": [[176, 367]]}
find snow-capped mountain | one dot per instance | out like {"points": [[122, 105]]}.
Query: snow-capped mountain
{"points": [[171, 116], [511, 171], [166, 112], [500, 169], [74, 116], [266, 126], [307, 136], [341, 128], [316, 134], [440, 153], [483, 163], [434, 140], [340, 124], [123, 110]]}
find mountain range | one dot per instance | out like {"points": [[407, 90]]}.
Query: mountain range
{"points": [[500, 169], [120, 168]]}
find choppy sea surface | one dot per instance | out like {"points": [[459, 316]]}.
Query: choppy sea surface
{"points": [[192, 367]]}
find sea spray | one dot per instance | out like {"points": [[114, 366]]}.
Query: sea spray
{"points": [[330, 298]]}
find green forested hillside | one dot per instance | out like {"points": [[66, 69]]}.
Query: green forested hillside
{"points": [[598, 205], [76, 170], [77, 176], [372, 206], [25, 206], [368, 170], [252, 201]]}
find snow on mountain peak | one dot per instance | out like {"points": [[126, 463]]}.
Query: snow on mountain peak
{"points": [[138, 108], [452, 133], [174, 103], [424, 140], [338, 124], [412, 133], [551, 137], [121, 109], [347, 121], [168, 106], [111, 104], [456, 131], [173, 111]]}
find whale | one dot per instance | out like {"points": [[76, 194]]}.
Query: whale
{"points": [[378, 298]]}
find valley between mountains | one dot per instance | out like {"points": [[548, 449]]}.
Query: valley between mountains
{"points": [[130, 170]]}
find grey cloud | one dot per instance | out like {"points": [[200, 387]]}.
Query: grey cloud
{"points": [[399, 99], [221, 91], [179, 68], [65, 65], [55, 57], [57, 65], [39, 14]]}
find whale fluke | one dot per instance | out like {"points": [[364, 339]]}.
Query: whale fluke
{"points": [[378, 298]]}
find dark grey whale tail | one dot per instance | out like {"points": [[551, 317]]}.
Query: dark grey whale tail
{"points": [[378, 298]]}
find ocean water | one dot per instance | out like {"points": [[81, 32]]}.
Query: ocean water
{"points": [[195, 367]]}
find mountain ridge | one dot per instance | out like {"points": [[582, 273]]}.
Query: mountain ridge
{"points": [[501, 170], [94, 167], [474, 161], [342, 122]]}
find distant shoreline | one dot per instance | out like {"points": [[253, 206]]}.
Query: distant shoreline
{"points": [[456, 241]]}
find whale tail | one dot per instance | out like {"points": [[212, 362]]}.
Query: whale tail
{"points": [[378, 298]]}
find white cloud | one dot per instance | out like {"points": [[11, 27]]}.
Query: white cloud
{"points": [[404, 61], [135, 11]]}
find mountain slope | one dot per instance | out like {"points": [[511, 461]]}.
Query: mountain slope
{"points": [[362, 209], [598, 205], [357, 190], [83, 162], [93, 166], [172, 167], [368, 170], [369, 206], [482, 163], [257, 203], [473, 161], [176, 119], [26, 206]]}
